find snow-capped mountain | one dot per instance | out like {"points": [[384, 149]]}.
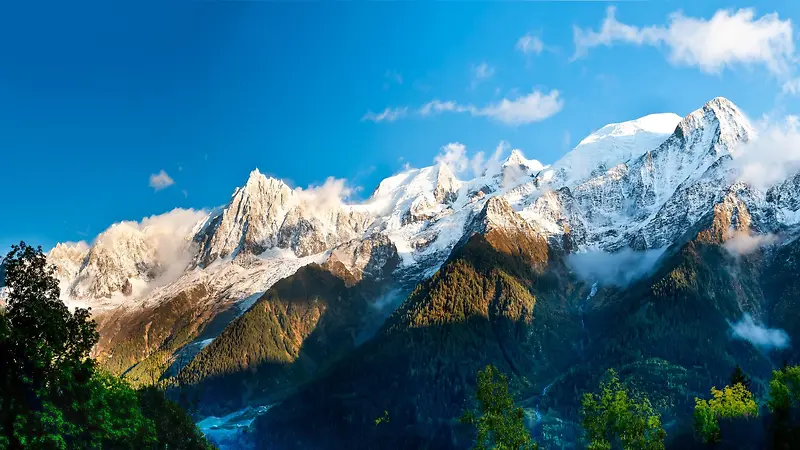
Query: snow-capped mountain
{"points": [[638, 184], [613, 144], [648, 201]]}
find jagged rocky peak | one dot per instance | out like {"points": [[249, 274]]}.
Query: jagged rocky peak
{"points": [[119, 253], [509, 233], [719, 123], [497, 214], [249, 222], [67, 258], [267, 213], [373, 257], [447, 185]]}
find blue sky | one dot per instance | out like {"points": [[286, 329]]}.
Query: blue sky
{"points": [[100, 103]]}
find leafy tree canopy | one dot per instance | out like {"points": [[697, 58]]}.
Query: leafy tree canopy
{"points": [[52, 395], [615, 418], [784, 389], [499, 422], [730, 402]]}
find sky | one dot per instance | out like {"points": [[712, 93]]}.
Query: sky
{"points": [[113, 112]]}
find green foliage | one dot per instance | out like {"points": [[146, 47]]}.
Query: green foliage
{"points": [[46, 373], [729, 403], [173, 427], [784, 389], [51, 394], [616, 418], [383, 419], [499, 422]]}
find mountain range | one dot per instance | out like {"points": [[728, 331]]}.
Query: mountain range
{"points": [[646, 248]]}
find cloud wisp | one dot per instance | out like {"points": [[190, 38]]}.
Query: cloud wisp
{"points": [[728, 39], [743, 243], [454, 155], [616, 269], [327, 197], [160, 180], [533, 107], [481, 72], [760, 336], [530, 44], [772, 157], [387, 115]]}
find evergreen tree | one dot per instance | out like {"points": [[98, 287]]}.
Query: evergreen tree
{"points": [[738, 376], [499, 422]]}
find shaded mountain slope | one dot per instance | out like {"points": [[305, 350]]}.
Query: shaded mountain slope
{"points": [[670, 334], [503, 297], [300, 325]]}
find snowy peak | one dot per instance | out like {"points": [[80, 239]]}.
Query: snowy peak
{"points": [[129, 254], [266, 213], [447, 185], [718, 123], [663, 123], [68, 259], [250, 221], [516, 168], [609, 146]]}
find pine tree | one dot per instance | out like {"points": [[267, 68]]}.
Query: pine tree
{"points": [[738, 376]]}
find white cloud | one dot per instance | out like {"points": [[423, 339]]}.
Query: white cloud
{"points": [[530, 44], [772, 156], [758, 335], [160, 180], [533, 107], [617, 269], [388, 114], [727, 39], [169, 234], [328, 196], [792, 86], [454, 155], [744, 243], [438, 106], [481, 72], [529, 108]]}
